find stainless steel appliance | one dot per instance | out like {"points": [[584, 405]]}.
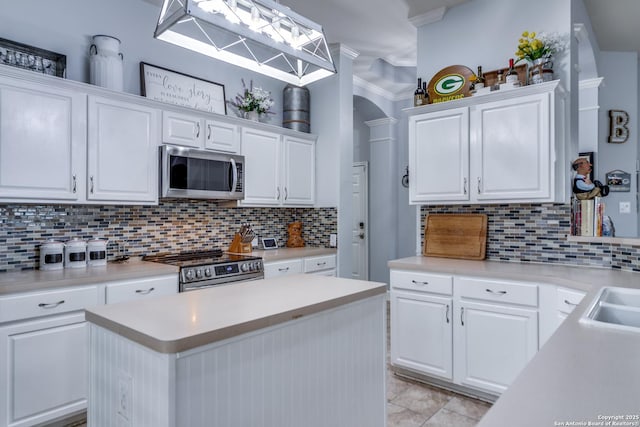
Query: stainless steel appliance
{"points": [[211, 268], [198, 174]]}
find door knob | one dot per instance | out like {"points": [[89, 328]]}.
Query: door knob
{"points": [[361, 235]]}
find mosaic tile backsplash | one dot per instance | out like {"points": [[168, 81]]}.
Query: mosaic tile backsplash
{"points": [[174, 225], [537, 234]]}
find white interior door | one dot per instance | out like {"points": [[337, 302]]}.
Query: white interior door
{"points": [[359, 228]]}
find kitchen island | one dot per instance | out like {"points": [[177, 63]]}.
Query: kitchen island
{"points": [[297, 350]]}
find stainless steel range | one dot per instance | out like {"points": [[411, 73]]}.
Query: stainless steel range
{"points": [[211, 268]]}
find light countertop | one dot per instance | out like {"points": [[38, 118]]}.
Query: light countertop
{"points": [[583, 373], [282, 254], [175, 323], [36, 280]]}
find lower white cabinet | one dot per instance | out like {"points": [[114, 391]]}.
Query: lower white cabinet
{"points": [[324, 265], [476, 333], [283, 268], [44, 346]]}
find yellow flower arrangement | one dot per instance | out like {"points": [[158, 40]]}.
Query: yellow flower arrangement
{"points": [[531, 47]]}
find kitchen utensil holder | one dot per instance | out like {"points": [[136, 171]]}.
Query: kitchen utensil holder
{"points": [[238, 247]]}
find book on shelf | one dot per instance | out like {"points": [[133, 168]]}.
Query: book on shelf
{"points": [[587, 216]]}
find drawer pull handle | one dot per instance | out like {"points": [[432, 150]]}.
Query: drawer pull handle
{"points": [[447, 313], [284, 269], [144, 292], [462, 316], [496, 292], [320, 264], [50, 305], [415, 282], [570, 303], [198, 130]]}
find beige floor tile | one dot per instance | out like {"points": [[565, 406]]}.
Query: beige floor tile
{"points": [[469, 407], [395, 385], [422, 399], [397, 416], [445, 418]]}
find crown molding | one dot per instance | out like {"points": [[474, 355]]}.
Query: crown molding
{"points": [[430, 17]]}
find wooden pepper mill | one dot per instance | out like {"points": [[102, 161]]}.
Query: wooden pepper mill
{"points": [[295, 239]]}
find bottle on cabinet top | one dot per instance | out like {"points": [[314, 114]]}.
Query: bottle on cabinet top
{"points": [[479, 84], [418, 95], [512, 74]]}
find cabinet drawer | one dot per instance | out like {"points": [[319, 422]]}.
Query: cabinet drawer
{"points": [[498, 291], [34, 304], [318, 263], [282, 268], [568, 299], [422, 282], [135, 290]]}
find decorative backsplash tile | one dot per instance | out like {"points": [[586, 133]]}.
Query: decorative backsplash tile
{"points": [[174, 225], [538, 234]]}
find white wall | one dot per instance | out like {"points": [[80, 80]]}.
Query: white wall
{"points": [[619, 92]]}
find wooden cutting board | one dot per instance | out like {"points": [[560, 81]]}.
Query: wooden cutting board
{"points": [[456, 236]]}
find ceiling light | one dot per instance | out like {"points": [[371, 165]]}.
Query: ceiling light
{"points": [[260, 35]]}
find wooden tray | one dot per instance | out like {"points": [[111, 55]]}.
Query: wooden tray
{"points": [[456, 236]]}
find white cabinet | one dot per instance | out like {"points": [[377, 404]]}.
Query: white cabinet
{"points": [[122, 151], [475, 333], [280, 170], [323, 264], [43, 354], [42, 142], [283, 268], [198, 131], [140, 289], [497, 148], [421, 323]]}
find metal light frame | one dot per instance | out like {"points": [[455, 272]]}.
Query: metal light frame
{"points": [[259, 35]]}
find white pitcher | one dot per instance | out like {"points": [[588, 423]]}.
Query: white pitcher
{"points": [[105, 63]]}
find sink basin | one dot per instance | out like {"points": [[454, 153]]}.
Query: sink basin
{"points": [[617, 308]]}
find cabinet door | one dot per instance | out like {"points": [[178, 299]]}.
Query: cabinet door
{"points": [[44, 369], [439, 156], [261, 151], [493, 343], [511, 149], [221, 136], [182, 129], [123, 152], [421, 333], [42, 142], [283, 268], [299, 182]]}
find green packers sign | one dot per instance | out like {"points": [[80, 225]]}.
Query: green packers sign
{"points": [[450, 83]]}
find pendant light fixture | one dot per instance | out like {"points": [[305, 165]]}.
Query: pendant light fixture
{"points": [[259, 35]]}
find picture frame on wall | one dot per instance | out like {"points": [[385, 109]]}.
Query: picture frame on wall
{"points": [[589, 155], [172, 87], [32, 58]]}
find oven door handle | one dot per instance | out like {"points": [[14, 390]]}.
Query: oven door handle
{"points": [[234, 172]]}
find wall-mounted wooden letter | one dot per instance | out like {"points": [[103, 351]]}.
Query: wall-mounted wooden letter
{"points": [[618, 130]]}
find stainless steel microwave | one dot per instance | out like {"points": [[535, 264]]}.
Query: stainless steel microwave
{"points": [[197, 174]]}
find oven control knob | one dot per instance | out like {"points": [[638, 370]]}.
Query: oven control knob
{"points": [[244, 267], [189, 274], [207, 272], [198, 274]]}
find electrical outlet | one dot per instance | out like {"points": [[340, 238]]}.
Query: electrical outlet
{"points": [[125, 396], [624, 207], [254, 242], [333, 240]]}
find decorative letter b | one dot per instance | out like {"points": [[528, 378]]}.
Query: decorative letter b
{"points": [[618, 130]]}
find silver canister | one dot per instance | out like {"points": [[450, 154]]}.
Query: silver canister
{"points": [[106, 67], [295, 108], [51, 255], [75, 254], [96, 252]]}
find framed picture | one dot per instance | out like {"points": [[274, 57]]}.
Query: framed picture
{"points": [[619, 180], [588, 156], [171, 87], [32, 58]]}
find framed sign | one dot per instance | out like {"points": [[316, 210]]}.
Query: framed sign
{"points": [[450, 83], [161, 84], [619, 180]]}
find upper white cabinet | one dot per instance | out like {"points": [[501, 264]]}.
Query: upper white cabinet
{"points": [[496, 148], [42, 142], [193, 130], [122, 151], [280, 169]]}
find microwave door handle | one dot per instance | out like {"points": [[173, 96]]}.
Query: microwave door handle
{"points": [[234, 171]]}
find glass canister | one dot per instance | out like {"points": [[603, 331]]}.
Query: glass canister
{"points": [[75, 254], [106, 63], [51, 255], [96, 252]]}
